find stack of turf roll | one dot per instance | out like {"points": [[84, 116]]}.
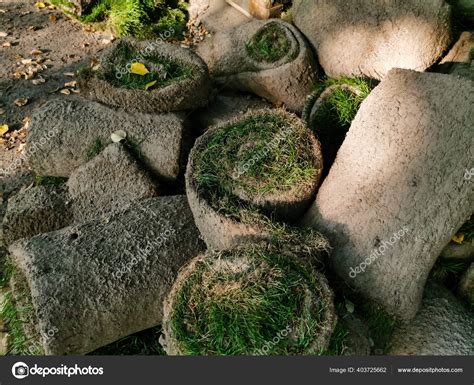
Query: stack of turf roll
{"points": [[256, 290]]}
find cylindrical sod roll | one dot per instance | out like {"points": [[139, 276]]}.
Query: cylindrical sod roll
{"points": [[147, 76], [248, 301], [266, 163]]}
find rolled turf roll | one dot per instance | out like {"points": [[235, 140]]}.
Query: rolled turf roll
{"points": [[330, 109], [269, 58], [147, 76], [248, 301], [249, 172]]}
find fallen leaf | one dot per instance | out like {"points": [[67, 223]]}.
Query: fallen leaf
{"points": [[33, 28], [36, 52], [65, 91], [7, 44], [21, 102], [70, 74], [95, 64], [3, 34], [3, 129], [26, 61], [118, 136], [39, 80], [149, 85], [138, 69], [458, 238], [70, 84], [40, 5]]}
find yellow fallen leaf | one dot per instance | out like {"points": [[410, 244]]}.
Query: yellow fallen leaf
{"points": [[40, 4], [151, 84], [138, 69], [458, 238], [3, 129]]}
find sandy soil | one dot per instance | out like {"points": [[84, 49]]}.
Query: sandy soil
{"points": [[65, 45]]}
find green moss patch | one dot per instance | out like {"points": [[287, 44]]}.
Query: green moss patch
{"points": [[251, 302], [269, 44], [94, 149]]}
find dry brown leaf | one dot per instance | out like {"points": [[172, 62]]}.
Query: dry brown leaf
{"points": [[52, 18], [95, 64], [21, 102], [3, 34], [65, 91], [70, 84], [6, 44], [36, 52]]}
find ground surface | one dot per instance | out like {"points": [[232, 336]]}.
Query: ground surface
{"points": [[65, 45]]}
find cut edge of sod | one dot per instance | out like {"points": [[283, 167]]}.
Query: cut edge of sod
{"points": [[248, 301]]}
